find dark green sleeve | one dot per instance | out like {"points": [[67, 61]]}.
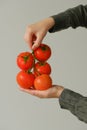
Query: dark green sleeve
{"points": [[75, 103], [73, 17]]}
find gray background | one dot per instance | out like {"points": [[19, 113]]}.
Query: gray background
{"points": [[21, 111]]}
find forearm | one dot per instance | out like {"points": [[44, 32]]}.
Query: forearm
{"points": [[73, 17], [75, 103]]}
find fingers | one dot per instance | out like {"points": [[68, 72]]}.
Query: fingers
{"points": [[28, 37], [32, 44], [37, 42], [37, 93], [35, 34], [33, 39], [38, 30]]}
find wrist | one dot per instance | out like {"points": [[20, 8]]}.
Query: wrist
{"points": [[59, 91], [49, 23]]}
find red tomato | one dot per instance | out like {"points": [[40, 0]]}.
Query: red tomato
{"points": [[43, 82], [25, 79], [25, 60], [42, 68], [43, 52]]}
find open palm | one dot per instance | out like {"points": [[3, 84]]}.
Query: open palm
{"points": [[53, 92]]}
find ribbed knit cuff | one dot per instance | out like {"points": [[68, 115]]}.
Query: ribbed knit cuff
{"points": [[68, 99]]}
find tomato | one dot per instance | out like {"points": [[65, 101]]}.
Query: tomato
{"points": [[43, 82], [42, 53], [25, 60], [42, 68], [25, 80]]}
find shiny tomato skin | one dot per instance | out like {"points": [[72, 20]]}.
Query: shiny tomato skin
{"points": [[25, 60], [25, 80], [43, 82], [43, 52], [42, 68]]}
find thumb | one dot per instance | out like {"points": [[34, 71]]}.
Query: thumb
{"points": [[37, 42]]}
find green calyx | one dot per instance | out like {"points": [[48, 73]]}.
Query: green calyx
{"points": [[26, 58], [44, 48], [42, 63], [29, 71]]}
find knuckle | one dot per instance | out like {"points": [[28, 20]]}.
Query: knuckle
{"points": [[29, 28], [25, 37]]}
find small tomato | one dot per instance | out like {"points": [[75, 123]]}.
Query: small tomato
{"points": [[42, 53], [43, 82], [42, 68], [25, 60], [25, 80]]}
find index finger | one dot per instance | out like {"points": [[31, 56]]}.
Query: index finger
{"points": [[28, 37]]}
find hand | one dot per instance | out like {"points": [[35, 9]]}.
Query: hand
{"points": [[36, 32], [53, 92]]}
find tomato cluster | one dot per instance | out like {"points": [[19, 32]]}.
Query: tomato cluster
{"points": [[35, 70]]}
